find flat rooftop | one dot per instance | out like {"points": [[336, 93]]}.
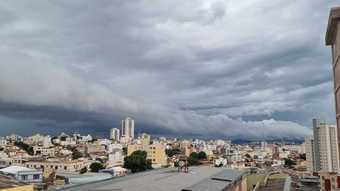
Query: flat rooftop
{"points": [[201, 178], [8, 182], [275, 182]]}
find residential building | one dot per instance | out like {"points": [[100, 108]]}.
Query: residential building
{"points": [[44, 151], [23, 174], [186, 146], [14, 137], [58, 165], [115, 134], [64, 140], [275, 152], [4, 160], [3, 141], [325, 146], [333, 39], [35, 139], [263, 145], [128, 129], [329, 180], [116, 158], [155, 152], [309, 145], [95, 148]]}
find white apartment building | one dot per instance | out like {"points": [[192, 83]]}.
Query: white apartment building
{"points": [[34, 139], [264, 145], [115, 134], [309, 145], [3, 141], [325, 147], [14, 137], [116, 158], [128, 129], [44, 151], [24, 174]]}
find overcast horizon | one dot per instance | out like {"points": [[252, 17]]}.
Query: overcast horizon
{"points": [[218, 68]]}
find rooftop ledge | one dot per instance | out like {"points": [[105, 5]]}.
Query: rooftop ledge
{"points": [[334, 17]]}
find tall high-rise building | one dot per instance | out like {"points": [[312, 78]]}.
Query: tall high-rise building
{"points": [[333, 40], [115, 134], [330, 180], [128, 129], [309, 144], [325, 147], [263, 145]]}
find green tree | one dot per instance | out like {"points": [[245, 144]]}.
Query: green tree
{"points": [[247, 156], [83, 170], [194, 155], [76, 154], [202, 155], [137, 162], [25, 147], [96, 166], [172, 152], [303, 156], [193, 159], [289, 162]]}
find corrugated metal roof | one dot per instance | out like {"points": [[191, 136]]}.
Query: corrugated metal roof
{"points": [[15, 169], [217, 182]]}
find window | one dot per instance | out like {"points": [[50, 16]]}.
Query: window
{"points": [[36, 176], [24, 177]]}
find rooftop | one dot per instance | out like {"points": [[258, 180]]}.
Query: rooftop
{"points": [[8, 182], [334, 17], [203, 177], [275, 182], [15, 169]]}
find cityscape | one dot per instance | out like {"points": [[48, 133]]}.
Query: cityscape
{"points": [[201, 95]]}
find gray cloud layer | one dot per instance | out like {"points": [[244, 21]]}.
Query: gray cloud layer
{"points": [[200, 67]]}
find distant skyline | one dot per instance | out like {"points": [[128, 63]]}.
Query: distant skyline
{"points": [[216, 68]]}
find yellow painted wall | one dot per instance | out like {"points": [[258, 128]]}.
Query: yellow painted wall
{"points": [[155, 152], [20, 188], [253, 179]]}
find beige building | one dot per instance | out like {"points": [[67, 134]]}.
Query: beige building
{"points": [[45, 151], [95, 148], [58, 165], [325, 149], [333, 40], [329, 181], [155, 152]]}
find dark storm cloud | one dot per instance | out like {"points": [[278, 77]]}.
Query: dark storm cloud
{"points": [[198, 67]]}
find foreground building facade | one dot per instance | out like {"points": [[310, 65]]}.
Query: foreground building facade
{"points": [[333, 40], [331, 181], [325, 147]]}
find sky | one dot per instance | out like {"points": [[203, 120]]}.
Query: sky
{"points": [[205, 68]]}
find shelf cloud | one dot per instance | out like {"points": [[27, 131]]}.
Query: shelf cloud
{"points": [[214, 68]]}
